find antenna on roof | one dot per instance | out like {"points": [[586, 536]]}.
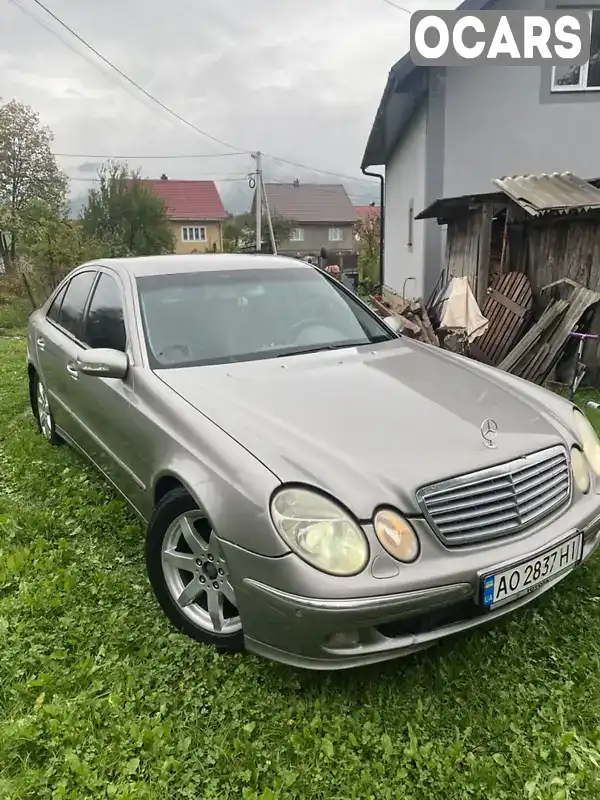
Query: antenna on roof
{"points": [[296, 183]]}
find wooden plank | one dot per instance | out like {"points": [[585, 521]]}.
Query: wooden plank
{"points": [[517, 310], [503, 253], [478, 354], [580, 300], [522, 295], [503, 320], [551, 313], [483, 259], [507, 308], [428, 327], [534, 365]]}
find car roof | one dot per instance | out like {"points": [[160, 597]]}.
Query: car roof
{"points": [[200, 262]]}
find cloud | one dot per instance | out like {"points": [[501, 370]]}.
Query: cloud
{"points": [[300, 79]]}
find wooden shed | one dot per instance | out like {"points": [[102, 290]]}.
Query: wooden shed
{"points": [[545, 228]]}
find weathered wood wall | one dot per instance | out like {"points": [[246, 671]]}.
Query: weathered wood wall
{"points": [[468, 249], [564, 249]]}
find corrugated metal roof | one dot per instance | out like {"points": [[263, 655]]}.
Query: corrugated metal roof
{"points": [[553, 193]]}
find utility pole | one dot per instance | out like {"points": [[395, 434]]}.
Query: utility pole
{"points": [[269, 221], [258, 200]]}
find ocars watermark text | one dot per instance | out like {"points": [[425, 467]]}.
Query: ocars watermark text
{"points": [[455, 38]]}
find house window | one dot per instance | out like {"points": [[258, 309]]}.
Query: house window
{"points": [[297, 235], [193, 234], [586, 77], [335, 235]]}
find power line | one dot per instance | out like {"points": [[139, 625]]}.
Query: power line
{"points": [[213, 155], [217, 179], [73, 49], [315, 169], [239, 151], [132, 82], [145, 158], [395, 5]]}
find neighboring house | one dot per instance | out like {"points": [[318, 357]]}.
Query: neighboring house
{"points": [[323, 214], [195, 211], [367, 211], [448, 132]]}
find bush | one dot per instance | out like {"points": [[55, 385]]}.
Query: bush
{"points": [[15, 305]]}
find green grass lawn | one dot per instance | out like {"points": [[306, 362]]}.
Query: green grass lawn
{"points": [[100, 698]]}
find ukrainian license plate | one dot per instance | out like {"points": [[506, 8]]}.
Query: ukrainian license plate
{"points": [[520, 579]]}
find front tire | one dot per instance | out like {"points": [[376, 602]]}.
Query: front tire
{"points": [[43, 412], [189, 575]]}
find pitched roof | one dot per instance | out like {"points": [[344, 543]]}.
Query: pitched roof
{"points": [[405, 88], [310, 202], [189, 200], [367, 211]]}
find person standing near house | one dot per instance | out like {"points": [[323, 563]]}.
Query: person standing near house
{"points": [[334, 271]]}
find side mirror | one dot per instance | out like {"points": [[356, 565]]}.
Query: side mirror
{"points": [[103, 363], [394, 323]]}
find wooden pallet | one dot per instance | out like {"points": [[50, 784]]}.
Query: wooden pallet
{"points": [[508, 309]]}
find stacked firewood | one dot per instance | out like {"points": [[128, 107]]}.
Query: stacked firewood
{"points": [[415, 319]]}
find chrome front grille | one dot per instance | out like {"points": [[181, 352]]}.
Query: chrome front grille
{"points": [[499, 501]]}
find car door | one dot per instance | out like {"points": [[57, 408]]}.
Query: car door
{"points": [[57, 343], [104, 404]]}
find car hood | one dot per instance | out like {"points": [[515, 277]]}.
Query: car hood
{"points": [[371, 424]]}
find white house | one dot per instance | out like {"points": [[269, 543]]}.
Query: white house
{"points": [[448, 132]]}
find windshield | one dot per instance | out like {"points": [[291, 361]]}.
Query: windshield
{"points": [[218, 317]]}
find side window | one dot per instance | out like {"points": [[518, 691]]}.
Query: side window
{"points": [[104, 323], [54, 310], [71, 310]]}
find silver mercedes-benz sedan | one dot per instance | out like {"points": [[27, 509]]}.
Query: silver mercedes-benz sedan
{"points": [[317, 488]]}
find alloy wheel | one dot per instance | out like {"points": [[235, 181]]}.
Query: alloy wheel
{"points": [[196, 574], [44, 413]]}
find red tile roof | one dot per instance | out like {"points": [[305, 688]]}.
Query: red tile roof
{"points": [[189, 200], [366, 211]]}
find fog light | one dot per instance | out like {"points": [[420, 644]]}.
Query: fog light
{"points": [[581, 470], [396, 536]]}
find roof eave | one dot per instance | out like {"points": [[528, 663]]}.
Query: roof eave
{"points": [[379, 145], [195, 219]]}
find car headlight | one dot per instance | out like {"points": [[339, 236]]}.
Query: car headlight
{"points": [[589, 440], [581, 470], [396, 536], [320, 531]]}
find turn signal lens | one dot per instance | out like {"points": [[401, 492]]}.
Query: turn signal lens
{"points": [[589, 440], [581, 470], [396, 536]]}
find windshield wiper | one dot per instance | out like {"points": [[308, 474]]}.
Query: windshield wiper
{"points": [[321, 348]]}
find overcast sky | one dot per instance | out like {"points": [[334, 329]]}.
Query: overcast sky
{"points": [[299, 79]]}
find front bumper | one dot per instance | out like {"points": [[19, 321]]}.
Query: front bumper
{"points": [[326, 633]]}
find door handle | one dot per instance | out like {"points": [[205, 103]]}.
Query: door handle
{"points": [[40, 343], [72, 370]]}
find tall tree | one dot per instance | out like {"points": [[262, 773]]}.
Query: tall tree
{"points": [[367, 229], [125, 215], [28, 173], [51, 245]]}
